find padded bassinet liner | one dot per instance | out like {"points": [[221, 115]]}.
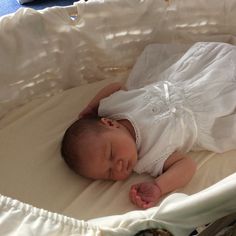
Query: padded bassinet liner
{"points": [[33, 171], [179, 214], [44, 53]]}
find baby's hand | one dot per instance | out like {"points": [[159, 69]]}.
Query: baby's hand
{"points": [[145, 195], [88, 112]]}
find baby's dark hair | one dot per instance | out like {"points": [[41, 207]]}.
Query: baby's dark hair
{"points": [[75, 133]]}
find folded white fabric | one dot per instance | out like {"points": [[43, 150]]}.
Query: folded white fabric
{"points": [[24, 1], [178, 213]]}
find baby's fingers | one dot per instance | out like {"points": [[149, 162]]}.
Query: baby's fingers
{"points": [[135, 198], [148, 205], [147, 197], [132, 195], [87, 111], [139, 202]]}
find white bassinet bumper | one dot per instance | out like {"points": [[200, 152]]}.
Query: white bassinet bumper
{"points": [[179, 214], [20, 219], [45, 52]]}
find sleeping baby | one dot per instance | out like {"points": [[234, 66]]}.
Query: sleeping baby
{"points": [[191, 106]]}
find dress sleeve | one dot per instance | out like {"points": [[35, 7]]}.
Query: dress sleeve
{"points": [[153, 162]]}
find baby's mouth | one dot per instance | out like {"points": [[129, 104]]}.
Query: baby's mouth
{"points": [[128, 168]]}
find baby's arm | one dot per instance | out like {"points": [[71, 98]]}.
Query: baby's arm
{"points": [[92, 108], [178, 171]]}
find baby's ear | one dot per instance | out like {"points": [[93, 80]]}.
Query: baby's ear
{"points": [[109, 123]]}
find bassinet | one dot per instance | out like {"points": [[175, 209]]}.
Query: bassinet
{"points": [[51, 63]]}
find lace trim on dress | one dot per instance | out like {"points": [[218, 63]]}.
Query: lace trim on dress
{"points": [[121, 116]]}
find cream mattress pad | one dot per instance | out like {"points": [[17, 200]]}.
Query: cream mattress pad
{"points": [[32, 170]]}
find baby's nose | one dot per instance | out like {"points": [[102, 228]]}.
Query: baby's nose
{"points": [[119, 165]]}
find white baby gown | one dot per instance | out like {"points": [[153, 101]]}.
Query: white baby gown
{"points": [[191, 105]]}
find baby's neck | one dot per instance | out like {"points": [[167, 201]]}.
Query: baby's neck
{"points": [[127, 124]]}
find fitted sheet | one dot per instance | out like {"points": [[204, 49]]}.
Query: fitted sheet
{"points": [[32, 170]]}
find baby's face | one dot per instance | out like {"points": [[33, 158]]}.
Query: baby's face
{"points": [[111, 156]]}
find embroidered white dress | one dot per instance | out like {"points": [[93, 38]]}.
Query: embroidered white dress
{"points": [[191, 106]]}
